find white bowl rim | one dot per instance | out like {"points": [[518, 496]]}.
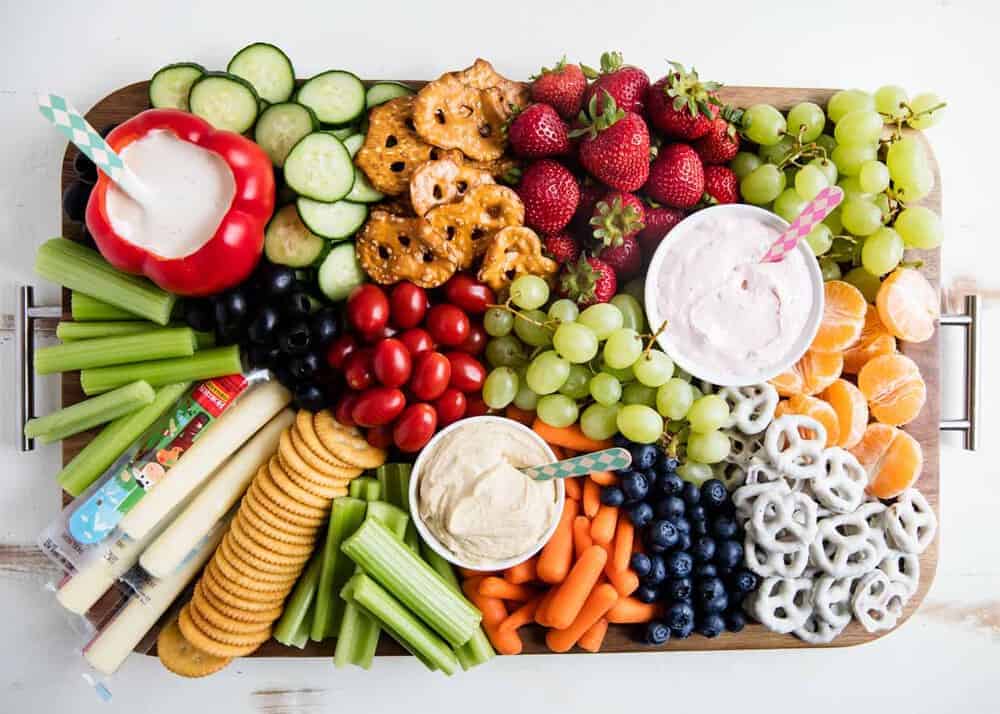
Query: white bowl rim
{"points": [[436, 545], [732, 379]]}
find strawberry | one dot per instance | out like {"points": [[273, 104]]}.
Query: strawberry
{"points": [[614, 146], [676, 177], [720, 144], [550, 194], [562, 247], [616, 216], [562, 87], [682, 106], [625, 83], [625, 257], [659, 221], [537, 132], [588, 281], [721, 185]]}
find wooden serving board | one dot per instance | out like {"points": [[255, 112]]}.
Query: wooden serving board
{"points": [[128, 101]]}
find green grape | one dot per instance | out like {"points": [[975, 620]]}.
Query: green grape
{"points": [[602, 318], [917, 186], [763, 184], [850, 157], [577, 384], [674, 399], [557, 410], [547, 372], [808, 118], [776, 153], [851, 187], [906, 159], [696, 392], [709, 447], [653, 368], [498, 322], [829, 269], [599, 421], [858, 128], [622, 348], [789, 204], [763, 124], [623, 375], [636, 288], [890, 100], [882, 201], [529, 292], [694, 472], [922, 103], [820, 238], [633, 316], [743, 163], [873, 177], [536, 335], [506, 351], [575, 342], [640, 423], [828, 168], [563, 310], [919, 227], [500, 387], [708, 413], [864, 281], [809, 181], [833, 221], [526, 398], [882, 251], [636, 393], [860, 217], [846, 101], [605, 389], [827, 143]]}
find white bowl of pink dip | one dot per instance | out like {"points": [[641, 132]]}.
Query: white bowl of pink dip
{"points": [[732, 320]]}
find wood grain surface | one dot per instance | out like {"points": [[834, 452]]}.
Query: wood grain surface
{"points": [[127, 101]]}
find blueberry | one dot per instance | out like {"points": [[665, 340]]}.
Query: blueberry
{"points": [[736, 598], [683, 633], [657, 571], [745, 581], [643, 456], [656, 633], [669, 507], [639, 513], [612, 496], [710, 587], [663, 533], [696, 512], [647, 593], [641, 563], [679, 588], [670, 484], [714, 493], [665, 463], [711, 625], [724, 526], [716, 604], [699, 528], [620, 441], [684, 544], [728, 553], [690, 494], [682, 524], [634, 485], [651, 478], [679, 565], [679, 616], [735, 620], [705, 570], [703, 549]]}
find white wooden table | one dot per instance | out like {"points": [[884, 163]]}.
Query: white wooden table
{"points": [[946, 658]]}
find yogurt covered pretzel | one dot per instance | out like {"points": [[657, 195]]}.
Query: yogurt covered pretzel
{"points": [[910, 522], [745, 496], [840, 483], [782, 604], [831, 611], [847, 545], [783, 522], [795, 456], [772, 563], [878, 602], [751, 408], [903, 568]]}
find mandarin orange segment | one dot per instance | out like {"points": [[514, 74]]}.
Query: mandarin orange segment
{"points": [[892, 458], [843, 317], [875, 340], [813, 373], [851, 409], [818, 410], [894, 388], [908, 305]]}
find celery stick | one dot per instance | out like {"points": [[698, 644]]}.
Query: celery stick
{"points": [[214, 362], [345, 517], [77, 267], [164, 343], [85, 308], [301, 636], [105, 448], [204, 340], [90, 412], [297, 606], [408, 630], [73, 331], [386, 558], [367, 488]]}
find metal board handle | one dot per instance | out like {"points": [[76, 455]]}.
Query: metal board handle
{"points": [[969, 321], [24, 356]]}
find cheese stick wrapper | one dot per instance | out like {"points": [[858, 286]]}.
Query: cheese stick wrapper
{"points": [[218, 442], [215, 499]]}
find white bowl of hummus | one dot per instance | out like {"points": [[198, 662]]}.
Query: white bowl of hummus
{"points": [[472, 504], [732, 320]]}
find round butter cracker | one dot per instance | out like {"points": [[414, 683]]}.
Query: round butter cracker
{"points": [[202, 594], [205, 643], [272, 493], [295, 492], [287, 521], [347, 442], [253, 517], [182, 658]]}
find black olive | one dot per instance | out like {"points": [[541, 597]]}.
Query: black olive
{"points": [[309, 396], [278, 280], [295, 339], [237, 305], [227, 334], [262, 355], [85, 169], [198, 315], [305, 366], [297, 304], [262, 327], [282, 374], [220, 311], [75, 199], [325, 326]]}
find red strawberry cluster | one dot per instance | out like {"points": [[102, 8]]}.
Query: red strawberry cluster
{"points": [[616, 162]]}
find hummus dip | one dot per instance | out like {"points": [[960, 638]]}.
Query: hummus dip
{"points": [[474, 500]]}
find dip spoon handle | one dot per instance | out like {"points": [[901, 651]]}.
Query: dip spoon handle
{"points": [[814, 212], [605, 460]]}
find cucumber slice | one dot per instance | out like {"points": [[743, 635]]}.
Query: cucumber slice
{"points": [[170, 86], [382, 92], [340, 272], [336, 96], [362, 191], [334, 221], [281, 126], [267, 68], [288, 242], [225, 101], [319, 167], [343, 132], [353, 143]]}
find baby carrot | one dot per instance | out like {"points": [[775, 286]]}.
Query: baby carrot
{"points": [[522, 616], [602, 528], [542, 611], [598, 603], [557, 555], [522, 572], [603, 478], [522, 415], [591, 498], [572, 594], [581, 535], [573, 489], [630, 611], [570, 437], [622, 553], [466, 573], [559, 452], [493, 586], [494, 612], [593, 638], [625, 581]]}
